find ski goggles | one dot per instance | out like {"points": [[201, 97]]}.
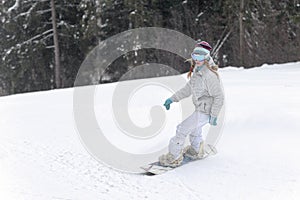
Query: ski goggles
{"points": [[198, 57]]}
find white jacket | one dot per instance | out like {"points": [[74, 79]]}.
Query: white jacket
{"points": [[207, 94]]}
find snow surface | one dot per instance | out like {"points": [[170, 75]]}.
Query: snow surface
{"points": [[41, 156]]}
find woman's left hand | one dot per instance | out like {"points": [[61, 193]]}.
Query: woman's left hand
{"points": [[212, 121]]}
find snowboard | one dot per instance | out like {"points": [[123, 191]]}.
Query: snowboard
{"points": [[156, 168]]}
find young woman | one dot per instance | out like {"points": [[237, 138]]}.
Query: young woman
{"points": [[207, 95]]}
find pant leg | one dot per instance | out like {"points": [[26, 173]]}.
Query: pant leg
{"points": [[182, 130], [196, 135]]}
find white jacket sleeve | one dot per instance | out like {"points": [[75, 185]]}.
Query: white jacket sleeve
{"points": [[215, 90], [182, 93]]}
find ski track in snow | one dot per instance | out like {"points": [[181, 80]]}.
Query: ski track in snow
{"points": [[41, 158], [81, 171]]}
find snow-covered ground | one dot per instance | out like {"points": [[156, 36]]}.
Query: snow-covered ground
{"points": [[41, 156]]}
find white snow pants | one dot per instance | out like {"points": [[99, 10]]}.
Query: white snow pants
{"points": [[192, 126]]}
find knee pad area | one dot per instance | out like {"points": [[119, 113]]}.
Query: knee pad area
{"points": [[177, 141]]}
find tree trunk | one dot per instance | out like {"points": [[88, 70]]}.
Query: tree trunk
{"points": [[56, 47], [241, 15]]}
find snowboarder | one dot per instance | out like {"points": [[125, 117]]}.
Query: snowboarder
{"points": [[207, 95]]}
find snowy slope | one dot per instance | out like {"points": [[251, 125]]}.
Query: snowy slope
{"points": [[41, 156]]}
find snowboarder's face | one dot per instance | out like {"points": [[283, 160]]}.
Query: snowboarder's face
{"points": [[199, 63], [198, 58]]}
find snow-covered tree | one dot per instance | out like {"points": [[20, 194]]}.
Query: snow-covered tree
{"points": [[28, 49], [247, 33]]}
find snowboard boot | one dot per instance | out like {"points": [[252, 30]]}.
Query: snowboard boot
{"points": [[190, 152], [168, 160]]}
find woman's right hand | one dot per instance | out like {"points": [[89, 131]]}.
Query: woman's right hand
{"points": [[168, 103]]}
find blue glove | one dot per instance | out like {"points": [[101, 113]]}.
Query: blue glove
{"points": [[168, 103], [212, 121]]}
